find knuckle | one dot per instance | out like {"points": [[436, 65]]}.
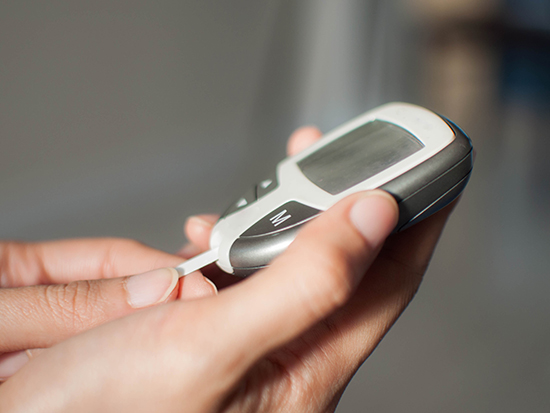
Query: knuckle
{"points": [[334, 285], [339, 290], [16, 260], [72, 305]]}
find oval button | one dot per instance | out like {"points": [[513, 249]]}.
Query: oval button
{"points": [[286, 216]]}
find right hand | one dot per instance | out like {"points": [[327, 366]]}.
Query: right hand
{"points": [[277, 341]]}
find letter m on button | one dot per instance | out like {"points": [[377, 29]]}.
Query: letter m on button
{"points": [[278, 219]]}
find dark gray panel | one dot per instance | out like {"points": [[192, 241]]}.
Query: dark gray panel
{"points": [[440, 203], [245, 272], [423, 185], [286, 216], [249, 252]]}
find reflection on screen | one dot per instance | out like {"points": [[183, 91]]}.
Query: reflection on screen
{"points": [[359, 155]]}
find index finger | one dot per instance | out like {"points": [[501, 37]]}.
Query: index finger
{"points": [[58, 262]]}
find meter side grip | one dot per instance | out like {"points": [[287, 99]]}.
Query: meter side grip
{"points": [[249, 254], [433, 184]]}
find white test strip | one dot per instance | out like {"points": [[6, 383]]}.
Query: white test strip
{"points": [[197, 262]]}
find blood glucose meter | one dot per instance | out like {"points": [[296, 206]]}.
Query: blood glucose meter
{"points": [[424, 160]]}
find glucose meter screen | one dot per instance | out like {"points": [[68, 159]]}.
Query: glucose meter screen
{"points": [[359, 155]]}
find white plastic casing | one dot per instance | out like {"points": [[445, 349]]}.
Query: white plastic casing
{"points": [[425, 125]]}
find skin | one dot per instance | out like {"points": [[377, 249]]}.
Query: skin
{"points": [[287, 339], [42, 303]]}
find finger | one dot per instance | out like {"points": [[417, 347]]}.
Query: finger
{"points": [[315, 276], [40, 316], [59, 262], [301, 139], [198, 228], [10, 363], [34, 352], [193, 286]]}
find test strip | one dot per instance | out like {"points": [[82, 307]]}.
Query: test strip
{"points": [[197, 262]]}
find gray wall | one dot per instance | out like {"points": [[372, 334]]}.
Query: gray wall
{"points": [[120, 118]]}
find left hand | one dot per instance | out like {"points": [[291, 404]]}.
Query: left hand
{"points": [[50, 291], [43, 300]]}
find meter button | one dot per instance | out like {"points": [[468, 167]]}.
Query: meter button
{"points": [[241, 203], [286, 216], [266, 186], [248, 198]]}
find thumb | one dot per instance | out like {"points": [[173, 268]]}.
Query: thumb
{"points": [[40, 316], [315, 276]]}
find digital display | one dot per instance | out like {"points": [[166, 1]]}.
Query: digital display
{"points": [[358, 155]]}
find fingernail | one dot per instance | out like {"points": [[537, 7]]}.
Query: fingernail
{"points": [[200, 221], [375, 216], [208, 281], [10, 363], [195, 285], [151, 288]]}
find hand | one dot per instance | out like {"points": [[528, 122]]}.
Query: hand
{"points": [[288, 338], [42, 303]]}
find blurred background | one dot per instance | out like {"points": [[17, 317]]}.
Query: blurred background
{"points": [[123, 118]]}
